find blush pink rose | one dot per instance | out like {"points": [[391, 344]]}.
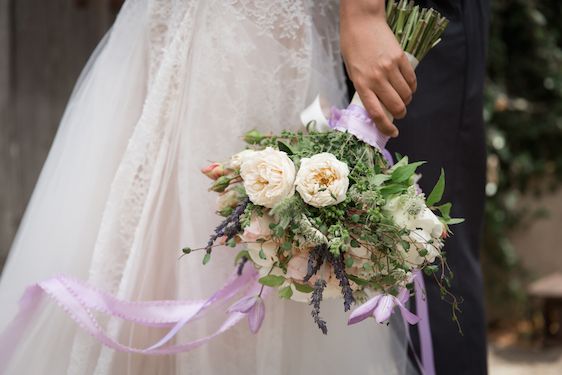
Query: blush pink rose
{"points": [[258, 228]]}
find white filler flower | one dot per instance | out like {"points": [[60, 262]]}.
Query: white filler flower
{"points": [[410, 212], [269, 176], [322, 180]]}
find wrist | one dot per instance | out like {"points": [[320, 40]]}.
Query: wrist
{"points": [[356, 9]]}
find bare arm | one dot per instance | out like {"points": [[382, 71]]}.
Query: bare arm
{"points": [[376, 64]]}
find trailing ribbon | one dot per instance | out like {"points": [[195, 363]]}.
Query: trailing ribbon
{"points": [[79, 300]]}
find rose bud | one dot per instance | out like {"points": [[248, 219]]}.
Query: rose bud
{"points": [[220, 184], [253, 137], [214, 171]]}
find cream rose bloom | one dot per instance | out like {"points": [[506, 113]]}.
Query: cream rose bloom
{"points": [[236, 160], [269, 176], [322, 180]]}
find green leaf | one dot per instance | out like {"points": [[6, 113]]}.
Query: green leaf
{"points": [[272, 280], [349, 262], [405, 245], [261, 254], [437, 192], [240, 255], [404, 172], [445, 210], [357, 280], [186, 250], [392, 189], [286, 292], [287, 246], [231, 242], [303, 288], [206, 258], [379, 179], [285, 148], [402, 161], [455, 220]]}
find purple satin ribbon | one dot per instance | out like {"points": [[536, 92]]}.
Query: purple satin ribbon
{"points": [[79, 300], [355, 120]]}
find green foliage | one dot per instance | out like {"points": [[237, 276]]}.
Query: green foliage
{"points": [[272, 280], [437, 192], [523, 111]]}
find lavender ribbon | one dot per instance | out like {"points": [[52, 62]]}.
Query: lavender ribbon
{"points": [[355, 120], [78, 300]]}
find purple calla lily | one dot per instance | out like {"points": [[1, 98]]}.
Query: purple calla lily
{"points": [[381, 307], [252, 306]]}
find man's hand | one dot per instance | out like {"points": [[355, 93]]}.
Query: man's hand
{"points": [[375, 62]]}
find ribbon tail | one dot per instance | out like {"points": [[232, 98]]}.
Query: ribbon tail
{"points": [[426, 344], [79, 299]]}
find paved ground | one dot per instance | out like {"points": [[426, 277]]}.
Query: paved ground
{"points": [[525, 361]]}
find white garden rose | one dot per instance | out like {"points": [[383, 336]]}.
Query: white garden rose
{"points": [[236, 160], [322, 180], [269, 176]]}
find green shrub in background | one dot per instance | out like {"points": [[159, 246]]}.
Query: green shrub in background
{"points": [[523, 112]]}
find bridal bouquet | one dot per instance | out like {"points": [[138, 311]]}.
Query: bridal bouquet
{"points": [[327, 214]]}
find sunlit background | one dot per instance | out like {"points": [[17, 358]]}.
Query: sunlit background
{"points": [[45, 44]]}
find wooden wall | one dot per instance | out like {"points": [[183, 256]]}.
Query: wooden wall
{"points": [[43, 46]]}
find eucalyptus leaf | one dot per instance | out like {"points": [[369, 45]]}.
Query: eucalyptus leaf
{"points": [[206, 258], [286, 292], [272, 280], [303, 288]]}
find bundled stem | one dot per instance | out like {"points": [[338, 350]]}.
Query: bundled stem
{"points": [[417, 30]]}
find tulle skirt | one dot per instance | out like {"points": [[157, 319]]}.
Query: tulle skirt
{"points": [[172, 86]]}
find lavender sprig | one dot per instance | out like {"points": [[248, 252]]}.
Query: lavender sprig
{"points": [[315, 260], [230, 226], [241, 265], [341, 275], [315, 301]]}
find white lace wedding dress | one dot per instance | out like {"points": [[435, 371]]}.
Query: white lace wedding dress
{"points": [[174, 84]]}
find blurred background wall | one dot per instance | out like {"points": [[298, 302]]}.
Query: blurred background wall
{"points": [[43, 47]]}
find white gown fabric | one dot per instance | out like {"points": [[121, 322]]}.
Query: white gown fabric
{"points": [[173, 85]]}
